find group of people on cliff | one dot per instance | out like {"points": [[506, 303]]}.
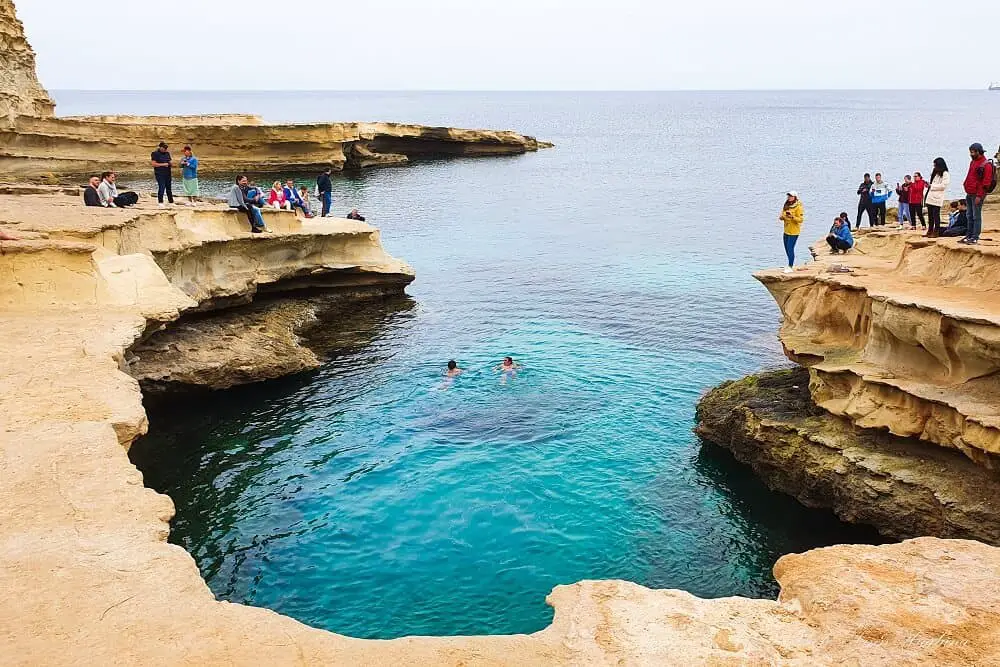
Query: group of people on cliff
{"points": [[914, 194], [244, 195], [965, 219]]}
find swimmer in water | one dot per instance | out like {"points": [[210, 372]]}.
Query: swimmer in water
{"points": [[453, 370], [508, 369]]}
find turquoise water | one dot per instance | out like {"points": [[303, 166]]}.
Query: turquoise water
{"points": [[372, 499]]}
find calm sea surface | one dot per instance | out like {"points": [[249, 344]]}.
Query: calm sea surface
{"points": [[369, 499]]}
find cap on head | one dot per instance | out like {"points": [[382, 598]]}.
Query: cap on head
{"points": [[978, 147], [793, 193]]}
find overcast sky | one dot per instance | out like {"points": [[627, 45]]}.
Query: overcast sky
{"points": [[512, 45]]}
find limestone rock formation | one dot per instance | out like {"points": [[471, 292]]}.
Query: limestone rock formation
{"points": [[904, 487], [87, 577], [907, 339], [20, 91]]}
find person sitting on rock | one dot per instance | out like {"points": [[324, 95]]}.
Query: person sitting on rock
{"points": [[354, 215], [958, 221], [108, 192], [840, 238], [306, 202], [90, 196], [276, 197], [294, 198], [237, 199], [255, 195]]}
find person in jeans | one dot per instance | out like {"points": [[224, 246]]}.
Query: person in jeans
{"points": [[976, 182], [325, 187], [792, 216], [294, 197], [162, 162], [880, 195], [865, 200], [937, 190], [237, 199], [917, 201], [840, 238], [903, 192]]}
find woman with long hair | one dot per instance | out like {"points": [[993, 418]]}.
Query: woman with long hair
{"points": [[936, 193], [792, 216]]}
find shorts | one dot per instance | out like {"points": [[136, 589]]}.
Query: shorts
{"points": [[191, 187]]}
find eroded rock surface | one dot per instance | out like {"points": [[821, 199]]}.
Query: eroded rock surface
{"points": [[902, 486], [20, 91]]}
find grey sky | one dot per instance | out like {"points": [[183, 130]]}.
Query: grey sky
{"points": [[512, 45]]}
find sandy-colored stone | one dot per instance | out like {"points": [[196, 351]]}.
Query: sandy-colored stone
{"points": [[87, 577], [20, 91], [908, 340], [902, 486]]}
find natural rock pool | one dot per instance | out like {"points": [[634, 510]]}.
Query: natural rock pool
{"points": [[369, 499]]}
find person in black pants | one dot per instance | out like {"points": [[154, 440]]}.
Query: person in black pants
{"points": [[161, 170], [864, 200]]}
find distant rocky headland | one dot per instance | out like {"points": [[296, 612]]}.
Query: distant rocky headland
{"points": [[100, 305]]}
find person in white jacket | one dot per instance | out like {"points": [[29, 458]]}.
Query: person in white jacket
{"points": [[936, 193]]}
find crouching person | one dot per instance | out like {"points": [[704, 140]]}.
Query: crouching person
{"points": [[107, 192], [237, 199], [840, 238]]}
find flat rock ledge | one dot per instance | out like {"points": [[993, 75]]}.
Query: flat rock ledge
{"points": [[902, 486]]}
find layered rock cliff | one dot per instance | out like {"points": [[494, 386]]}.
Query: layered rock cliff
{"points": [[901, 429], [20, 91], [86, 574]]}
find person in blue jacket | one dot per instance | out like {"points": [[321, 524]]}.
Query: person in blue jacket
{"points": [[881, 191], [840, 238]]}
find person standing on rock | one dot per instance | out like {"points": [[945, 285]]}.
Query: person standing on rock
{"points": [[977, 186], [865, 201], [325, 187], [189, 175], [903, 192], [880, 195], [162, 162], [936, 193], [792, 216], [917, 201]]}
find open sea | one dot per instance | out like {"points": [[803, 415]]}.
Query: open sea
{"points": [[373, 499]]}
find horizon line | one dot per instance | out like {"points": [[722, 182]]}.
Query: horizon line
{"points": [[505, 90]]}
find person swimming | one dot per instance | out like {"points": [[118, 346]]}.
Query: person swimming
{"points": [[508, 369], [453, 370]]}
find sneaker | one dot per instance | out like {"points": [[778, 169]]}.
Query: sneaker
{"points": [[788, 269], [256, 230]]}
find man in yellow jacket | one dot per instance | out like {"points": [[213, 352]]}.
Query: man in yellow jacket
{"points": [[792, 216]]}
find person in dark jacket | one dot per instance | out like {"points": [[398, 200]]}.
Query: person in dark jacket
{"points": [[958, 221], [90, 196], [325, 187], [354, 215], [865, 200], [162, 163]]}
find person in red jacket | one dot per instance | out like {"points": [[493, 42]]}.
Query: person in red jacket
{"points": [[917, 189], [976, 182]]}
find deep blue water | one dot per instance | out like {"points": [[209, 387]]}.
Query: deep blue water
{"points": [[369, 499]]}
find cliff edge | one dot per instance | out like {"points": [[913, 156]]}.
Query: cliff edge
{"points": [[893, 419], [20, 91], [87, 576]]}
